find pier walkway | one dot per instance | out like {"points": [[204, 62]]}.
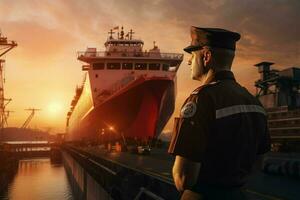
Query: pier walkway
{"points": [[159, 164]]}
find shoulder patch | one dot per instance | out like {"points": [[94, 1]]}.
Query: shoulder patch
{"points": [[196, 91], [188, 110]]}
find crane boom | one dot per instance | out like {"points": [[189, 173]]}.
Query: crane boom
{"points": [[27, 121]]}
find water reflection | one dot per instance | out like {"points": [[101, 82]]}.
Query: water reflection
{"points": [[39, 179]]}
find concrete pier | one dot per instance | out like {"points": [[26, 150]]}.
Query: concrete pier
{"points": [[117, 180], [123, 175]]}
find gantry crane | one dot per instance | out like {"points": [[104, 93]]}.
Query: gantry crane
{"points": [[5, 47], [27, 121]]}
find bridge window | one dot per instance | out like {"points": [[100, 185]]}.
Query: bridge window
{"points": [[154, 66], [127, 65], [173, 67], [97, 66], [113, 66], [140, 66], [165, 67]]}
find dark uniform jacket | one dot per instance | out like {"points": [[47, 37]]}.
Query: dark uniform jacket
{"points": [[224, 127]]}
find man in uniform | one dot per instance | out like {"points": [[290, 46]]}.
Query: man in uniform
{"points": [[222, 128]]}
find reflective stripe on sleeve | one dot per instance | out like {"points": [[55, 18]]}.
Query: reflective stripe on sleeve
{"points": [[224, 112]]}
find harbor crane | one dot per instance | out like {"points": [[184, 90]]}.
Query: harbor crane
{"points": [[5, 47], [27, 121]]}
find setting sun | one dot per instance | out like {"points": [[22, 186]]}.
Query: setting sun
{"points": [[54, 108]]}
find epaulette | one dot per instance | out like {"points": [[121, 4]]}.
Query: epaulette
{"points": [[196, 91]]}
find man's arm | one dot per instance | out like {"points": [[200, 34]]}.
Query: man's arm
{"points": [[185, 173]]}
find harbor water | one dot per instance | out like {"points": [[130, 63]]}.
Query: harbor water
{"points": [[39, 179]]}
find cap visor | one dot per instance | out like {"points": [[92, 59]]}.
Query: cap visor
{"points": [[191, 48]]}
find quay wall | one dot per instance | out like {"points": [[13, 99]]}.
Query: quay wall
{"points": [[95, 177], [84, 186]]}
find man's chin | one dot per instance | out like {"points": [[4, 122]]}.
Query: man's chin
{"points": [[196, 78], [193, 77]]}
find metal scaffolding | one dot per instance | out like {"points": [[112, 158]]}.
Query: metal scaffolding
{"points": [[5, 47]]}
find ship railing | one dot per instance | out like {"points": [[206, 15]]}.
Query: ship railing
{"points": [[99, 54]]}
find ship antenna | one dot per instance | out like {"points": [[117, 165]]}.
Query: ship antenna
{"points": [[154, 46], [131, 33], [111, 34], [127, 36], [122, 33]]}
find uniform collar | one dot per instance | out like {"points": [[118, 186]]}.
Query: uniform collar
{"points": [[224, 75]]}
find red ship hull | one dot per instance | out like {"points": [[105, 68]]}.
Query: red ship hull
{"points": [[139, 111]]}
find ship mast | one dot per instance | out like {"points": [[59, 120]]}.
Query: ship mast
{"points": [[5, 47], [130, 34], [111, 34]]}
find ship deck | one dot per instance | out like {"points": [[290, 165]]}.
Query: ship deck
{"points": [[159, 164]]}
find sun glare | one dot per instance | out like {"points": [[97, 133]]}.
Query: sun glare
{"points": [[54, 108]]}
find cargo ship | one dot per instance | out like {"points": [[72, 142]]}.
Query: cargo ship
{"points": [[127, 92]]}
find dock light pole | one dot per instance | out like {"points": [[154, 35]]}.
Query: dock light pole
{"points": [[112, 129], [101, 135]]}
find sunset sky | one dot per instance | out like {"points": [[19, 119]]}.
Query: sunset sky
{"points": [[42, 72]]}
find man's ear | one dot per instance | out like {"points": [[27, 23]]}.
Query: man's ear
{"points": [[207, 56]]}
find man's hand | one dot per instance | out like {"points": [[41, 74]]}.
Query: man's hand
{"points": [[185, 173]]}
